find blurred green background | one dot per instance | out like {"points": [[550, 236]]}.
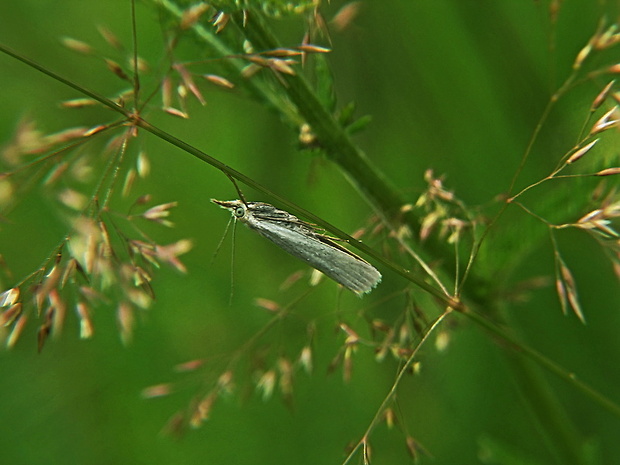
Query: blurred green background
{"points": [[453, 85]]}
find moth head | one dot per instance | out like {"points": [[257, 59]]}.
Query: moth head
{"points": [[236, 207]]}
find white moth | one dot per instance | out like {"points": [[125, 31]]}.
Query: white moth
{"points": [[302, 240]]}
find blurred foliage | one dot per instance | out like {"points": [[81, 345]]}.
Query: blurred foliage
{"points": [[296, 373]]}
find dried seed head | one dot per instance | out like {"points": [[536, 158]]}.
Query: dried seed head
{"points": [[406, 208], [581, 152], [126, 319], [609, 171], [110, 37], [176, 112], [258, 60], [250, 71], [117, 69], [291, 280], [309, 48], [219, 81], [220, 20], [281, 66], [188, 82], [193, 14], [267, 304], [305, 359], [170, 253], [282, 52], [143, 165], [607, 38], [159, 390], [182, 92], [347, 363], [130, 177], [315, 277], [9, 297], [566, 288], [582, 55], [60, 311], [442, 341], [79, 103], [608, 120], [77, 45], [602, 96], [285, 368], [225, 381], [248, 48], [352, 337], [86, 324], [389, 417], [49, 283], [306, 136], [428, 223], [191, 365], [203, 409], [45, 329], [9, 316], [139, 298], [266, 384], [346, 15], [94, 130], [18, 328], [7, 190], [166, 92], [595, 214]]}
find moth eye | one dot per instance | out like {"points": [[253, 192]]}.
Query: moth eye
{"points": [[239, 212]]}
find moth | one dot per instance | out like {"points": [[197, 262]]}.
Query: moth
{"points": [[304, 241]]}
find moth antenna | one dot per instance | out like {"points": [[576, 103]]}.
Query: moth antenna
{"points": [[219, 245], [232, 265]]}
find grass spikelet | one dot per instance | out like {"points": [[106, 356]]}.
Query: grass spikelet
{"points": [[86, 325], [608, 120], [581, 152], [266, 384], [219, 81], [176, 112], [609, 171], [8, 316], [77, 46], [117, 69], [79, 103], [187, 79], [305, 359], [110, 37], [220, 20], [309, 48], [346, 15], [143, 165], [267, 304], [9, 297], [190, 365], [18, 328], [193, 14], [126, 321], [602, 96], [158, 390]]}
